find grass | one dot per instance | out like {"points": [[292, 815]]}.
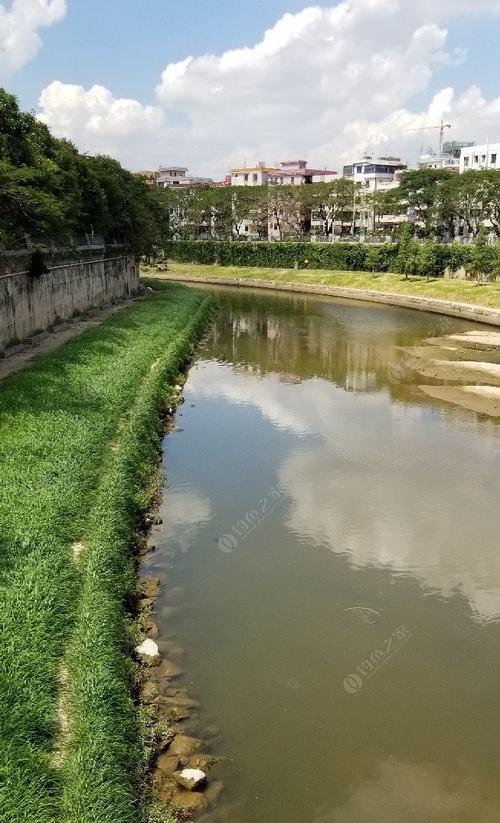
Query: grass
{"points": [[462, 291], [79, 433]]}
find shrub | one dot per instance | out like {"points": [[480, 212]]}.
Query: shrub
{"points": [[407, 256], [37, 265]]}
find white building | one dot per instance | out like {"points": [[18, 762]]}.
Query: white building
{"points": [[376, 174], [289, 172], [480, 158], [168, 177], [439, 161]]}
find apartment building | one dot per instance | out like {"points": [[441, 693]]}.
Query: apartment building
{"points": [[375, 174], [288, 172], [480, 158], [168, 177]]}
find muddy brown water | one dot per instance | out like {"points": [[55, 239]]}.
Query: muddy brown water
{"points": [[331, 563]]}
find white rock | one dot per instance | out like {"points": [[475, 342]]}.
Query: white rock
{"points": [[190, 778], [148, 648]]}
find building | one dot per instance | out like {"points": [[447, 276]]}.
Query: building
{"points": [[168, 177], [454, 147], [480, 158], [376, 174], [289, 172], [439, 161], [174, 176]]}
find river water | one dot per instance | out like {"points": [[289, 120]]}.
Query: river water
{"points": [[331, 564]]}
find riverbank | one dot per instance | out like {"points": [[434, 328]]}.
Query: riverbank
{"points": [[457, 298], [79, 437]]}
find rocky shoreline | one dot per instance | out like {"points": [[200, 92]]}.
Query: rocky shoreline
{"points": [[178, 764]]}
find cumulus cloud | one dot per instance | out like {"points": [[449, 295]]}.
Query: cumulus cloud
{"points": [[321, 83], [19, 24], [96, 120]]}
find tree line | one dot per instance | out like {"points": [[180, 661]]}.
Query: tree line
{"points": [[50, 193], [436, 204]]}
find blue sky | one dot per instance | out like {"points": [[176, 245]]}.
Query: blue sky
{"points": [[125, 44], [326, 82]]}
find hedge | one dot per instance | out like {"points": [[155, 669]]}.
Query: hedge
{"points": [[329, 256]]}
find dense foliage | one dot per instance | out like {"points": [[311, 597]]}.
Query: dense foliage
{"points": [[437, 204], [78, 438], [407, 256], [222, 213], [445, 205], [49, 193]]}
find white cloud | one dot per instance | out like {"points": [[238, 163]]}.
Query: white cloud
{"points": [[98, 122], [323, 83], [19, 24]]}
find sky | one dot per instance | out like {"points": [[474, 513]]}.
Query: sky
{"points": [[214, 83]]}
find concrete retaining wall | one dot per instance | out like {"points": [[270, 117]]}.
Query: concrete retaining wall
{"points": [[468, 311], [28, 305]]}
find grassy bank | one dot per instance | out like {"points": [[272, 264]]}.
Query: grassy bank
{"points": [[78, 439], [462, 291]]}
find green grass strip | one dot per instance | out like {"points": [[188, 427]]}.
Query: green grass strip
{"points": [[61, 481], [440, 288]]}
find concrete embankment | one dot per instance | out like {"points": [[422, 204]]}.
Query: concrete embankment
{"points": [[467, 311], [29, 305]]}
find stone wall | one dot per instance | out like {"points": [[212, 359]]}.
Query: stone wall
{"points": [[30, 305]]}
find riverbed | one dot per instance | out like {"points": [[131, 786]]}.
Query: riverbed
{"points": [[330, 563]]}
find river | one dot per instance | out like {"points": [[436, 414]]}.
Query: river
{"points": [[331, 565]]}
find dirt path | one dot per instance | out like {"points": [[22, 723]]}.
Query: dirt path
{"points": [[41, 345]]}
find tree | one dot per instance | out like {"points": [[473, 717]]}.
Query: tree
{"points": [[332, 203], [484, 261], [372, 259], [248, 207], [418, 194], [51, 193], [284, 210]]}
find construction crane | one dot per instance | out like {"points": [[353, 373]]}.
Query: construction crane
{"points": [[441, 129]]}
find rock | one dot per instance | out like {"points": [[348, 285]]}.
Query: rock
{"points": [[144, 603], [177, 387], [211, 731], [175, 713], [190, 779], [167, 762], [150, 587], [148, 625], [184, 746], [148, 653], [170, 649], [171, 669], [213, 792], [163, 739], [205, 762], [192, 802], [149, 692], [153, 630], [158, 521], [166, 786], [179, 702]]}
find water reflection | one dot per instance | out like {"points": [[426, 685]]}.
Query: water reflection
{"points": [[357, 347], [388, 502], [400, 792]]}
